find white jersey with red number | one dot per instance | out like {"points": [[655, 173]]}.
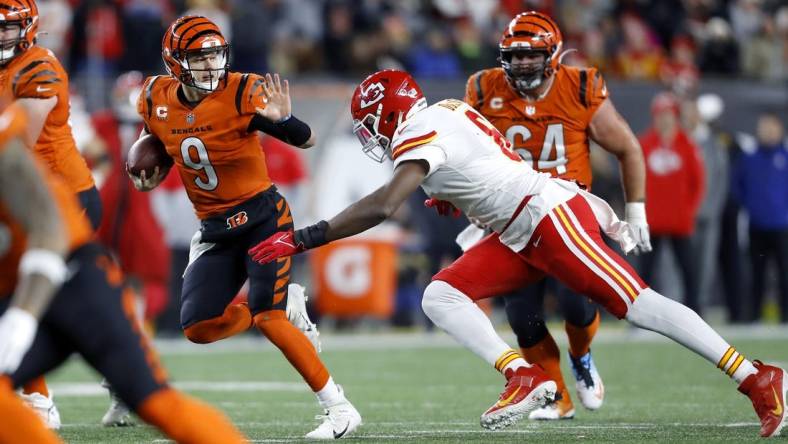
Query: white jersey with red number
{"points": [[472, 166]]}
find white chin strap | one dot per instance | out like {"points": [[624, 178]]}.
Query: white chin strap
{"points": [[526, 85], [210, 85], [7, 54]]}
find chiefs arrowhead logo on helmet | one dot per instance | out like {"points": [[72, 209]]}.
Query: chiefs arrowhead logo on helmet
{"points": [[372, 94]]}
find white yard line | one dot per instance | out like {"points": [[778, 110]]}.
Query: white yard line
{"points": [[87, 389], [423, 340]]}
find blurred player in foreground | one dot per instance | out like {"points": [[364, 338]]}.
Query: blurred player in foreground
{"points": [[52, 308]]}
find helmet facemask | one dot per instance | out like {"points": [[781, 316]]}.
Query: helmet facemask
{"points": [[9, 47], [375, 145], [213, 64], [525, 76]]}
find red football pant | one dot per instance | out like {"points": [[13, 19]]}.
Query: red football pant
{"points": [[567, 245]]}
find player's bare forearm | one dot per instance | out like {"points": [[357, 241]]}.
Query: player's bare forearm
{"points": [[37, 112], [24, 194], [613, 134], [380, 205]]}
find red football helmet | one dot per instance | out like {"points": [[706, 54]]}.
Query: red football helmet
{"points": [[379, 105], [194, 37], [22, 14], [125, 93], [530, 32]]}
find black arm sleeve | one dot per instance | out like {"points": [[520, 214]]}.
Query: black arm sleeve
{"points": [[292, 131]]}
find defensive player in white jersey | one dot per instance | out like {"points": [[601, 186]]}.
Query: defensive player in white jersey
{"points": [[542, 226]]}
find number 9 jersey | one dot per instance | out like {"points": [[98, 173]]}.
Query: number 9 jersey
{"points": [[550, 133], [219, 160]]}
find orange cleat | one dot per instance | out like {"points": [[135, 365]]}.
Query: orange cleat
{"points": [[768, 390], [526, 389]]}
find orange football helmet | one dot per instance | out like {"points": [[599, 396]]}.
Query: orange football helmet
{"points": [[530, 32], [194, 36], [22, 13]]}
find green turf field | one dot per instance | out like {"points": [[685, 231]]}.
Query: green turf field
{"points": [[417, 388]]}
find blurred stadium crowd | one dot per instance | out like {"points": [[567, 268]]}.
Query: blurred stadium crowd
{"points": [[717, 197]]}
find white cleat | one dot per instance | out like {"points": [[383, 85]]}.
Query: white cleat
{"points": [[552, 412], [298, 316], [590, 388], [339, 421], [44, 407], [118, 415]]}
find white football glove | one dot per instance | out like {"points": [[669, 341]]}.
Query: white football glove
{"points": [[297, 315], [635, 215], [17, 331]]}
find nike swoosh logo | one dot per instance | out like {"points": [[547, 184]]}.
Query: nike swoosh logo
{"points": [[777, 411], [505, 402], [42, 89], [342, 433], [280, 241]]}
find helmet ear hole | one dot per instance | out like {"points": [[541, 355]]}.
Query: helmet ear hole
{"points": [[390, 117]]}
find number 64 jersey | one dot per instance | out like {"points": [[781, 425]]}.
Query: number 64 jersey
{"points": [[219, 160], [551, 133], [472, 166]]}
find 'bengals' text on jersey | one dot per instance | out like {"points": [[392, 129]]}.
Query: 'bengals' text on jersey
{"points": [[12, 236], [551, 133], [37, 74], [220, 162]]}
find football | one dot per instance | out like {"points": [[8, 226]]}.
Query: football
{"points": [[147, 153]]}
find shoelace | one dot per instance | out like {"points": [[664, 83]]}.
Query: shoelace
{"points": [[582, 369]]}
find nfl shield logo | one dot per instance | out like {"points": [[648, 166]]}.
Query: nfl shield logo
{"points": [[530, 110], [190, 118]]}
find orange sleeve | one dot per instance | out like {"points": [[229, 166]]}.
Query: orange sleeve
{"points": [[250, 94], [12, 123], [145, 100], [474, 95], [595, 89], [39, 79]]}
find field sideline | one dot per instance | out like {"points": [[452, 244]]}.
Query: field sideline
{"points": [[414, 387]]}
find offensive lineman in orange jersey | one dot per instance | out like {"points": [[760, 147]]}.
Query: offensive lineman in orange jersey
{"points": [[36, 79], [550, 112], [43, 323], [208, 118]]}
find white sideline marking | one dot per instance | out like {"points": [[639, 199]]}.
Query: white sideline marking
{"points": [[422, 340], [85, 389]]}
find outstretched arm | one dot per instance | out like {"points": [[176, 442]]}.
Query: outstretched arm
{"points": [[360, 216], [613, 134], [380, 205], [276, 117]]}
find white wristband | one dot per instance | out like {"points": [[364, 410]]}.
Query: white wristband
{"points": [[44, 262], [635, 212]]}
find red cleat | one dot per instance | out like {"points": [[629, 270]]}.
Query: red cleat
{"points": [[768, 390], [526, 389]]}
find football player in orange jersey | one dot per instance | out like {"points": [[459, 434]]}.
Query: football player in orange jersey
{"points": [[44, 304], [550, 112], [34, 76], [208, 118]]}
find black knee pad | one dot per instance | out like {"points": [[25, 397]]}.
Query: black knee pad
{"points": [[525, 313]]}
